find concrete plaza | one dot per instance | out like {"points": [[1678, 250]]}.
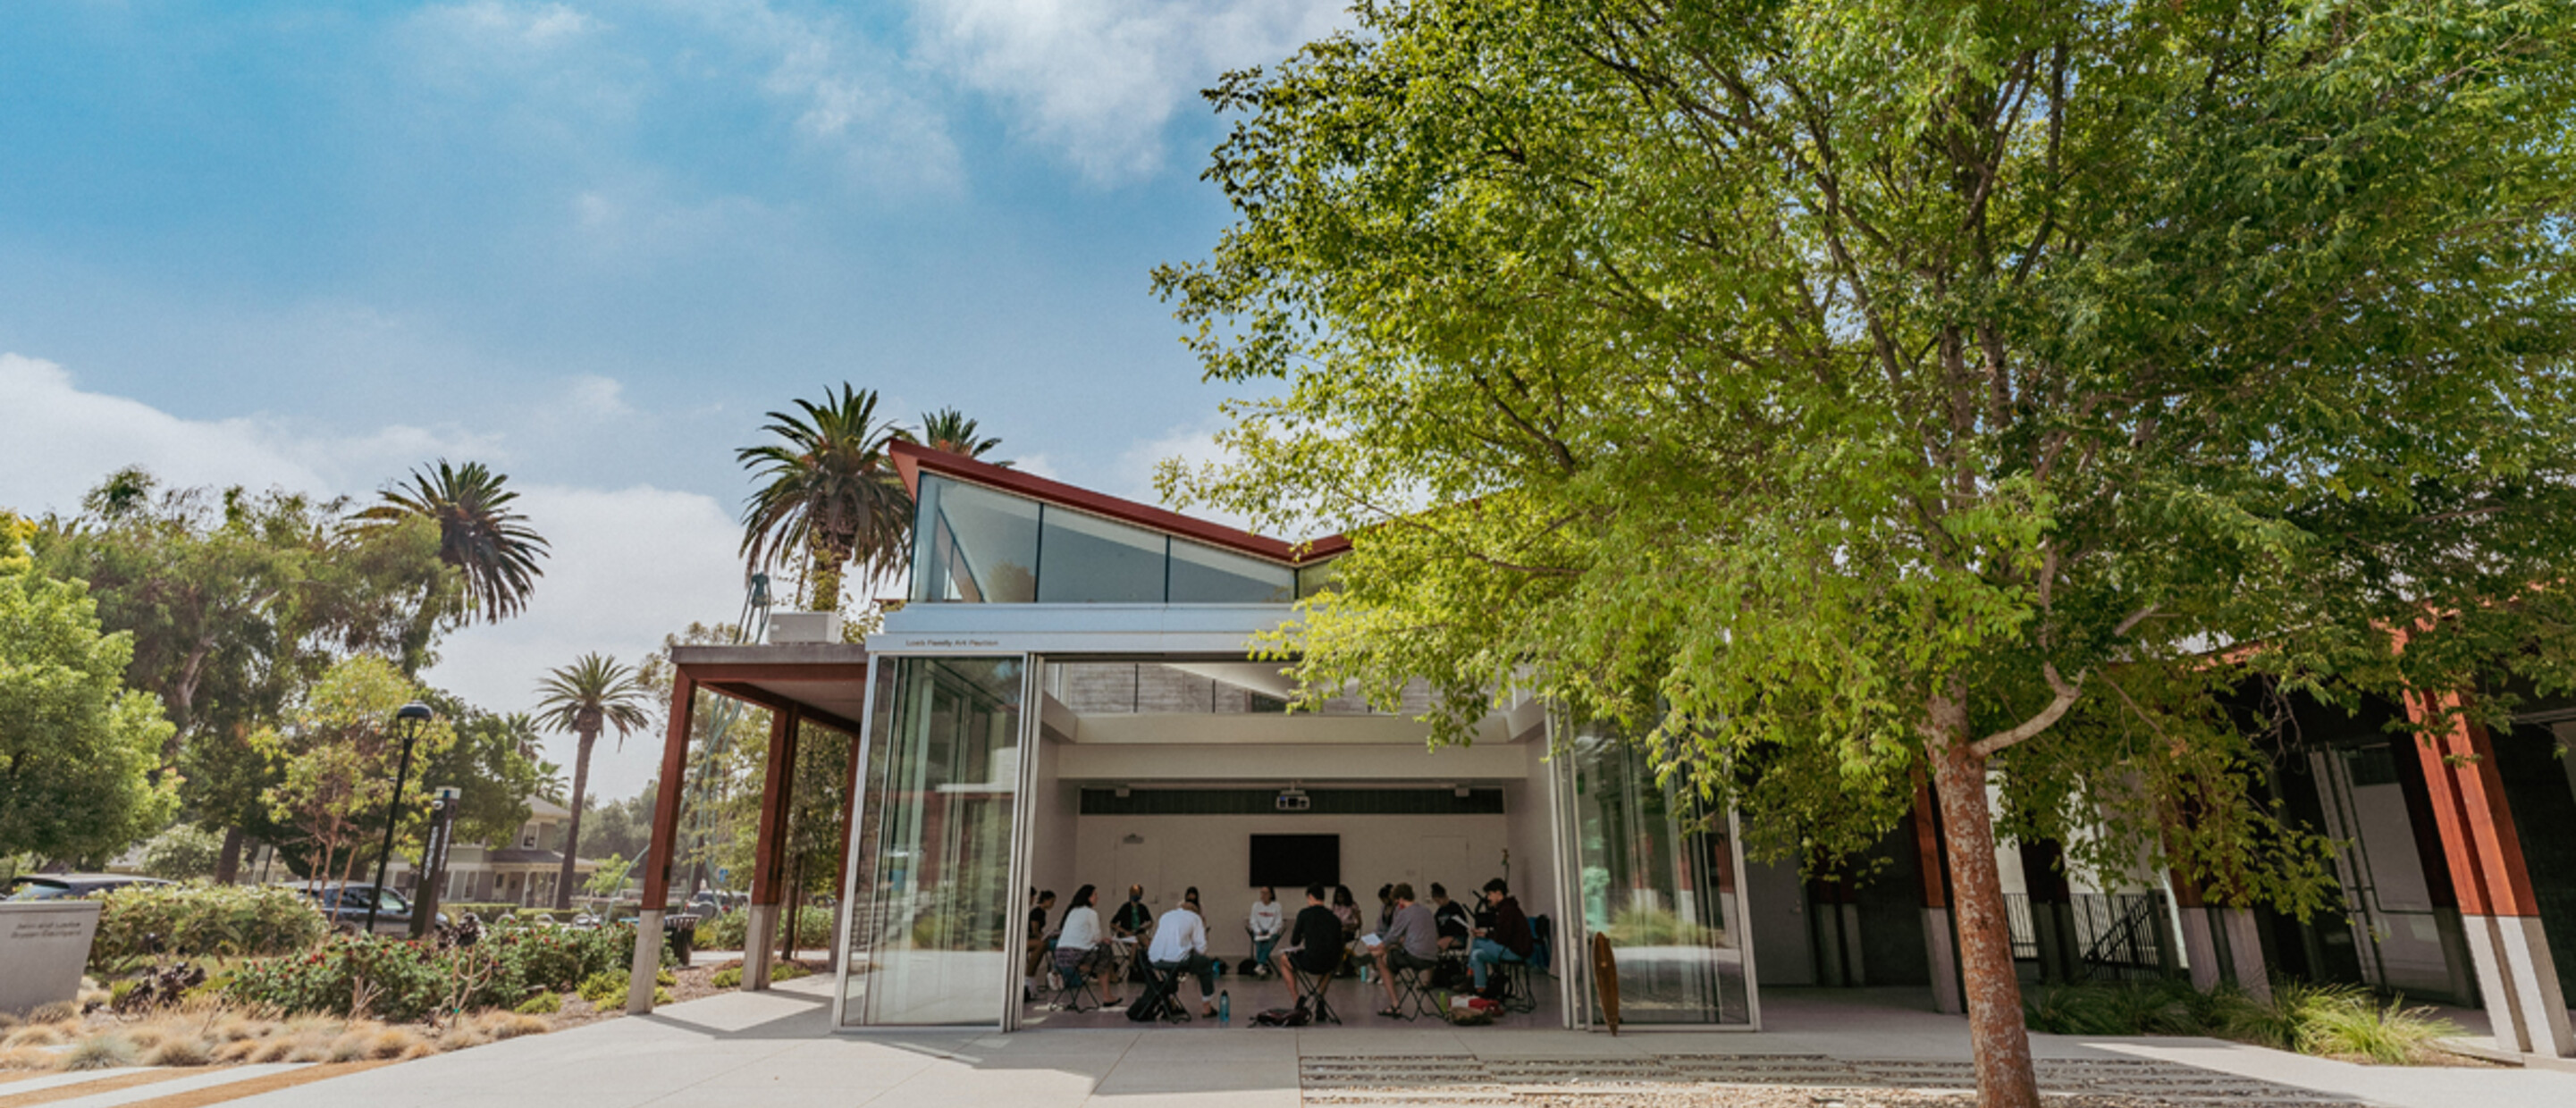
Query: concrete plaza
{"points": [[773, 1050]]}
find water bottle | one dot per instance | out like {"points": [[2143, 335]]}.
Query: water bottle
{"points": [[1224, 1009]]}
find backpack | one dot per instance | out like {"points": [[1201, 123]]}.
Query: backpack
{"points": [[1152, 1006], [1282, 1017]]}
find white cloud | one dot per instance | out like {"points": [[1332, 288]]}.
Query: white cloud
{"points": [[1101, 78], [629, 565], [1193, 445], [850, 98], [492, 24]]}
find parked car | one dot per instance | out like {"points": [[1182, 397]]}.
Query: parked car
{"points": [[346, 903], [71, 886]]}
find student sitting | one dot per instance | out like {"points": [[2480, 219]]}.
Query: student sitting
{"points": [[1508, 940], [1037, 944], [1411, 941], [1457, 928], [1264, 926], [1315, 944], [1180, 943], [1076, 941]]}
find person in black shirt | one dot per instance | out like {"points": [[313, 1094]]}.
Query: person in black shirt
{"points": [[1456, 926], [1315, 943]]}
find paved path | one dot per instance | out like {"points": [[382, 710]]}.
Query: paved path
{"points": [[773, 1051]]}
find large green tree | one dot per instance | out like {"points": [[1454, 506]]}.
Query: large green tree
{"points": [[236, 602], [829, 494], [1838, 391], [593, 693], [77, 748]]}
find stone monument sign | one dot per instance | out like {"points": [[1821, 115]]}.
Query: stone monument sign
{"points": [[44, 945]]}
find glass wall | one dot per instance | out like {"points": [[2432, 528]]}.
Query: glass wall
{"points": [[931, 900], [1656, 872], [975, 545], [1089, 560]]}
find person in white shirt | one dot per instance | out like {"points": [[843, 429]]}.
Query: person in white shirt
{"points": [[1180, 943], [1075, 938], [1264, 926]]}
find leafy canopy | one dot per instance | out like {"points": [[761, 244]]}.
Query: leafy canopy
{"points": [[1830, 389], [77, 748]]}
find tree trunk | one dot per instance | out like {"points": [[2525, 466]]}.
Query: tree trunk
{"points": [[572, 830], [1996, 1033], [825, 584], [228, 863]]}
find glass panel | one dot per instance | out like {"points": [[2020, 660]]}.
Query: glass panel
{"points": [[1316, 578], [1207, 575], [1658, 877], [973, 544], [932, 900], [1087, 560]]}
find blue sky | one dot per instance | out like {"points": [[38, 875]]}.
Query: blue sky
{"points": [[590, 242]]}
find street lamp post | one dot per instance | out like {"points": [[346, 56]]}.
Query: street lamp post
{"points": [[409, 716]]}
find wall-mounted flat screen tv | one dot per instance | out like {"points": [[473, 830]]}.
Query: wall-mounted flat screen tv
{"points": [[1292, 862]]}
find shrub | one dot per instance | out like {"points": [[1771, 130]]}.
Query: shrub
{"points": [[180, 1050], [598, 986], [100, 1052], [182, 853], [2332, 1020], [542, 1004], [729, 977], [2117, 1008], [510, 1025], [617, 1000], [788, 971], [200, 921]]}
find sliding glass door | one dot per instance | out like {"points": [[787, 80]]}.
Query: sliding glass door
{"points": [[1659, 874], [931, 896]]}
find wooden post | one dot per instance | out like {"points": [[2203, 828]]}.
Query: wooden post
{"points": [[665, 844], [2517, 977], [769, 850]]}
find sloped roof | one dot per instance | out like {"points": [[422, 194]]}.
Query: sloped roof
{"points": [[910, 459]]}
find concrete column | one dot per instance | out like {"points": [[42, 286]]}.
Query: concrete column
{"points": [[759, 945], [2245, 952], [648, 963], [2199, 947], [1942, 950], [1940, 937]]}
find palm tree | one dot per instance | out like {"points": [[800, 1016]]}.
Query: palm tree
{"points": [[830, 494], [948, 429], [592, 693], [478, 532]]}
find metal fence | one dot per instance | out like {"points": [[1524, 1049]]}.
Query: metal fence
{"points": [[2114, 936]]}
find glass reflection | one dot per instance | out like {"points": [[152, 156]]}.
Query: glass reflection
{"points": [[1086, 560], [1207, 575], [973, 544], [931, 901], [1658, 877]]}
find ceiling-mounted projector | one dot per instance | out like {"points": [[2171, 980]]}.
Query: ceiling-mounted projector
{"points": [[1293, 800]]}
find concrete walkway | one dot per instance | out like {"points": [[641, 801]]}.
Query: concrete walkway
{"points": [[773, 1050]]}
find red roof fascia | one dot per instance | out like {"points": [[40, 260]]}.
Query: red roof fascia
{"points": [[912, 458]]}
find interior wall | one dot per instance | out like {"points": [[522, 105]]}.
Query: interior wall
{"points": [[1784, 941], [1052, 811], [1172, 853], [1531, 837]]}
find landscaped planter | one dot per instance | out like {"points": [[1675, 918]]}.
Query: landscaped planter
{"points": [[44, 945]]}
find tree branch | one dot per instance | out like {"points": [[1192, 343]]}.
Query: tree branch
{"points": [[2067, 693]]}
